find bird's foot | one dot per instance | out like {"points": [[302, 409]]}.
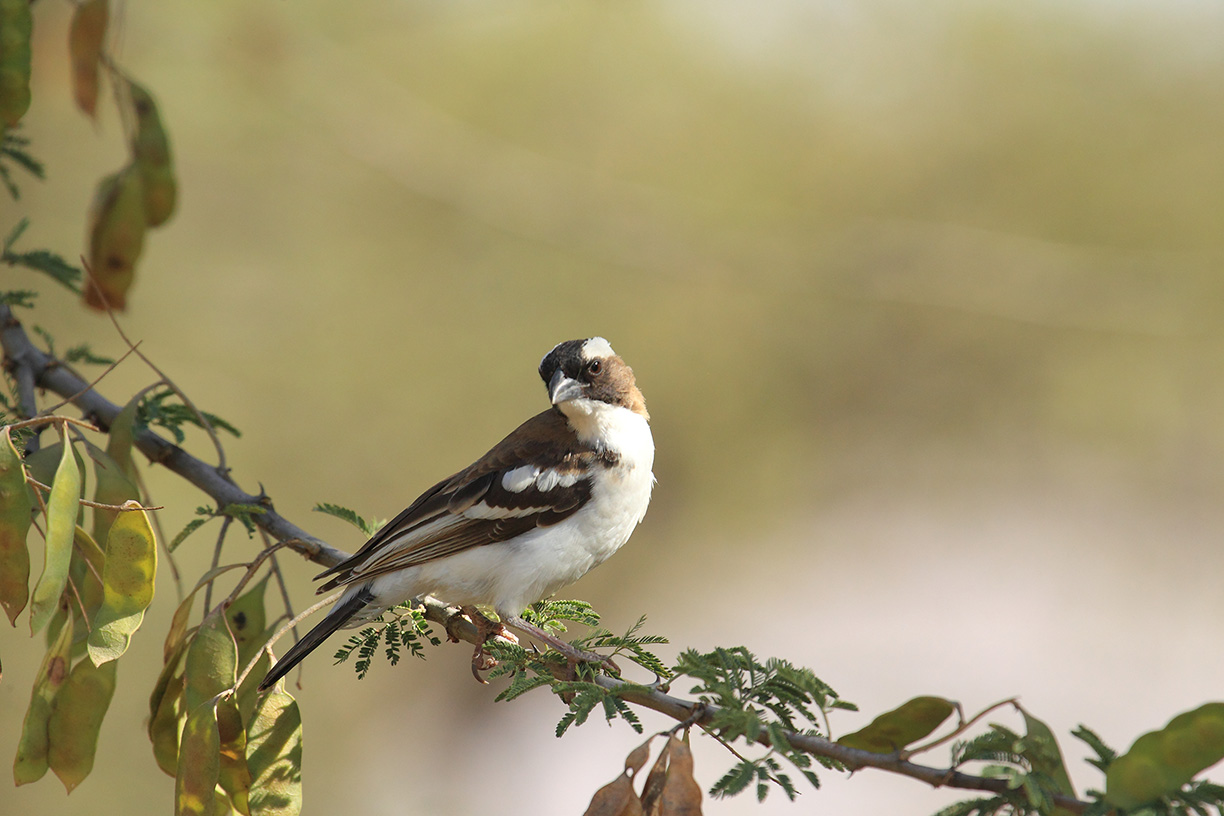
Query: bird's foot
{"points": [[572, 653], [485, 628]]}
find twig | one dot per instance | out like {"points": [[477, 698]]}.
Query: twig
{"points": [[216, 560], [26, 359], [51, 418], [306, 613], [118, 508], [960, 729], [280, 582], [95, 381]]}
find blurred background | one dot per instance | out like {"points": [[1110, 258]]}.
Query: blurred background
{"points": [[925, 300]]}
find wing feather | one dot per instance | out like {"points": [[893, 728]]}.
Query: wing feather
{"points": [[536, 477]]}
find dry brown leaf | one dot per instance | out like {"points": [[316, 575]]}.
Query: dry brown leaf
{"points": [[615, 799]]}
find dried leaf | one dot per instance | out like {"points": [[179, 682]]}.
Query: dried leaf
{"points": [[62, 509], [76, 718], [615, 799], [274, 756], [85, 37], [127, 583], [681, 793], [31, 761], [16, 505], [652, 791], [199, 765]]}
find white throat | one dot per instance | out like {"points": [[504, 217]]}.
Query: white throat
{"points": [[611, 427]]}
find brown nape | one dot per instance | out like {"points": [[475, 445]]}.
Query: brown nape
{"points": [[619, 387]]}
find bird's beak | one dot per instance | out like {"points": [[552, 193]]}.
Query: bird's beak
{"points": [[563, 389]]}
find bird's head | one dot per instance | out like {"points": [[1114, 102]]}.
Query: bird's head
{"points": [[583, 375]]}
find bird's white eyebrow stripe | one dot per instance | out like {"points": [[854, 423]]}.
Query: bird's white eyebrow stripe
{"points": [[597, 347]]}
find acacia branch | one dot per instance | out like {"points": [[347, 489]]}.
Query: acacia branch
{"points": [[31, 366], [27, 364]]}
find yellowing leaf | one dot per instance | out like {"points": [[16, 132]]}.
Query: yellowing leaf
{"points": [[116, 238], [212, 660], [61, 525], [85, 37], [127, 584], [1160, 762], [16, 505], [31, 761], [274, 756], [893, 730], [199, 765], [76, 718]]}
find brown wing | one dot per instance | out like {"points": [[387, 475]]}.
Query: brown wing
{"points": [[549, 480]]}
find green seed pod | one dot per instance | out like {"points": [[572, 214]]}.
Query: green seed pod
{"points": [[235, 777], [116, 238], [16, 25], [274, 756], [893, 730], [151, 152], [212, 661], [1160, 762], [127, 584], [76, 718], [31, 762], [62, 508], [199, 763], [15, 507], [247, 620]]}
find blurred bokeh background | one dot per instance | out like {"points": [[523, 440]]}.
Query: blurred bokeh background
{"points": [[925, 300]]}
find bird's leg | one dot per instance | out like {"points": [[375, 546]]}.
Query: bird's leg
{"points": [[570, 651], [482, 660]]}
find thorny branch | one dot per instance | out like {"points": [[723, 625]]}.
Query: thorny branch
{"points": [[32, 367]]}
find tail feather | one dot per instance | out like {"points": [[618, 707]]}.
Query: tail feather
{"points": [[340, 614]]}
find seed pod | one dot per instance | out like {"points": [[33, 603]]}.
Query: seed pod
{"points": [[16, 24], [235, 777], [1160, 762], [116, 238], [151, 151], [85, 37], [247, 619], [76, 718], [111, 486], [166, 712], [127, 585], [62, 509], [893, 730], [212, 660], [199, 763], [274, 756], [15, 507], [31, 762]]}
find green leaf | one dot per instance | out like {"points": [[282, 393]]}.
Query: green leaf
{"points": [[62, 509], [16, 505], [76, 718], [274, 756], [127, 584], [893, 730], [344, 514], [1046, 758], [199, 765], [191, 527]]}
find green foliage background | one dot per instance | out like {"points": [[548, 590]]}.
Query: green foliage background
{"points": [[925, 300]]}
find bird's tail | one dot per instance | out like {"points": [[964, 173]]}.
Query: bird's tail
{"points": [[340, 614]]}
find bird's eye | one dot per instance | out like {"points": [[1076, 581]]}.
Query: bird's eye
{"points": [[594, 367]]}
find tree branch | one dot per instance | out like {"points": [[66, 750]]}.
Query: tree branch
{"points": [[29, 365]]}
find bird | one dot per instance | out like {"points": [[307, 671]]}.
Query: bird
{"points": [[555, 498]]}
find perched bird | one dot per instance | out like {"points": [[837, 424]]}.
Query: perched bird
{"points": [[549, 502]]}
